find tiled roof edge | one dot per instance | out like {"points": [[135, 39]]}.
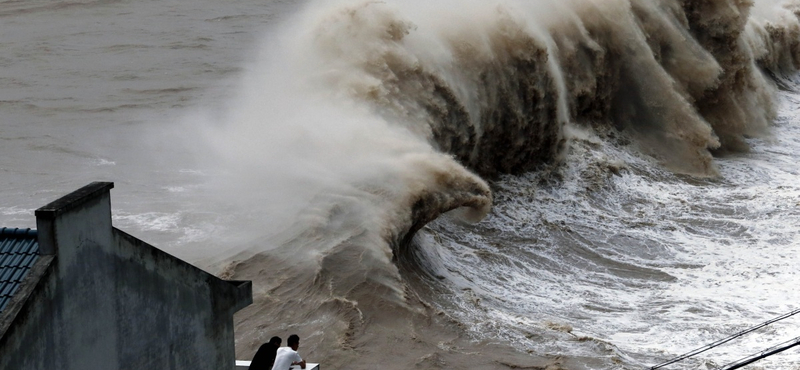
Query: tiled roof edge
{"points": [[17, 232], [32, 279]]}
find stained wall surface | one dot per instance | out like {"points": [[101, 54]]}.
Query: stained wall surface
{"points": [[110, 301]]}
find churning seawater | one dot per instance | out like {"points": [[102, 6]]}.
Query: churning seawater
{"points": [[339, 153], [639, 265]]}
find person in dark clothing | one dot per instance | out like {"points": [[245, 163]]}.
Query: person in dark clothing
{"points": [[266, 355]]}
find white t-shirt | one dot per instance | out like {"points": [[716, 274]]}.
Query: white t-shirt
{"points": [[284, 358]]}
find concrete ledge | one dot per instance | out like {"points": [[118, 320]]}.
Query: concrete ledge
{"points": [[244, 293], [73, 200], [245, 365], [237, 293]]}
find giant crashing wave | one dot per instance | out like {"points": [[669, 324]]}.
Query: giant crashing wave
{"points": [[439, 97]]}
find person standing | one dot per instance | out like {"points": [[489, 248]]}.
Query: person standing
{"points": [[288, 356], [265, 357]]}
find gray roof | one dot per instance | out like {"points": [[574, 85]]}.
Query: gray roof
{"points": [[19, 250]]}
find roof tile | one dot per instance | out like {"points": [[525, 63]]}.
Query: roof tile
{"points": [[19, 250], [5, 273], [6, 292]]}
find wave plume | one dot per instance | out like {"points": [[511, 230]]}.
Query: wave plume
{"points": [[363, 121]]}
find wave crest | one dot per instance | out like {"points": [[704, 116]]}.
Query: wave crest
{"points": [[495, 85], [385, 116]]}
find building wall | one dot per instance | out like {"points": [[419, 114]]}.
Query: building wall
{"points": [[110, 301], [195, 324]]}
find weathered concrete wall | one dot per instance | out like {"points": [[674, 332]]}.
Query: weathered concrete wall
{"points": [[192, 312], [110, 301]]}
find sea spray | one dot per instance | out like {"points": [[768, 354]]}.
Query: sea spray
{"points": [[368, 120], [349, 87]]}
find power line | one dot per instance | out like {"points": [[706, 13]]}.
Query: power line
{"points": [[757, 356], [724, 340]]}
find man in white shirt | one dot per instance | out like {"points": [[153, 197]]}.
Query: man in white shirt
{"points": [[287, 356]]}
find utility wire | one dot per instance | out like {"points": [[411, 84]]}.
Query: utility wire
{"points": [[724, 340], [757, 356]]}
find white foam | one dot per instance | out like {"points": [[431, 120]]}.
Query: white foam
{"points": [[652, 264]]}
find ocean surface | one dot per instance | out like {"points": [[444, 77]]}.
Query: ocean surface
{"points": [[583, 184]]}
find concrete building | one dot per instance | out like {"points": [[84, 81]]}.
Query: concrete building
{"points": [[79, 294]]}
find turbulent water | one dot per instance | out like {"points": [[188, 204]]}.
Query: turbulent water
{"points": [[452, 184]]}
